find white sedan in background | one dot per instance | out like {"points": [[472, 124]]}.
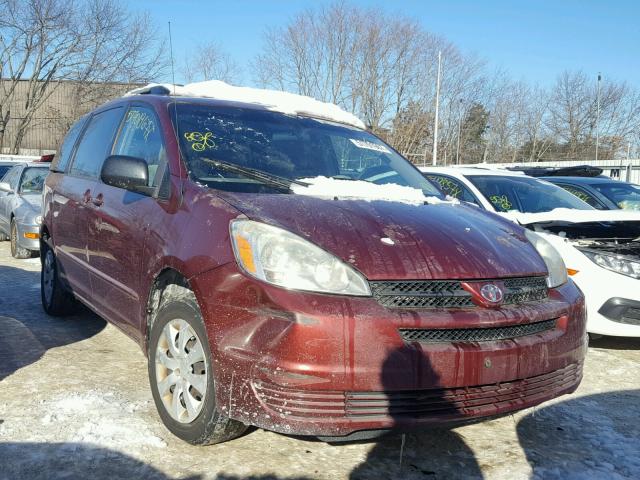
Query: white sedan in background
{"points": [[601, 248]]}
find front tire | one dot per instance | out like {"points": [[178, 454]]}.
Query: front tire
{"points": [[181, 375], [16, 250], [56, 300]]}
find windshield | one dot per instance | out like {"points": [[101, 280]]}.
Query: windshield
{"points": [[284, 146], [526, 194], [4, 169], [33, 179], [624, 195]]}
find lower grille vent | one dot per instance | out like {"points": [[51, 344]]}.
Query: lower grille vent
{"points": [[442, 335]]}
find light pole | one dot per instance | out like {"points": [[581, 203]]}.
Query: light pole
{"points": [[598, 116], [459, 125], [435, 127]]}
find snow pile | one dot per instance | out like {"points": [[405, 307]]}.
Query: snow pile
{"points": [[573, 216], [277, 101], [361, 190], [102, 418]]}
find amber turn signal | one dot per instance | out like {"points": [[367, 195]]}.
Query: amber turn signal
{"points": [[32, 236], [245, 253], [571, 272]]}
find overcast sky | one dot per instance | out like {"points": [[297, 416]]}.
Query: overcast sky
{"points": [[532, 40]]}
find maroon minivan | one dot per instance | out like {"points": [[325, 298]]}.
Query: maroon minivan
{"points": [[190, 223]]}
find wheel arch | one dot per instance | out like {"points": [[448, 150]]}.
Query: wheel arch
{"points": [[167, 276]]}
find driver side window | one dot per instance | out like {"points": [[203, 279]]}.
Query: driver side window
{"points": [[453, 187], [583, 195], [141, 137]]}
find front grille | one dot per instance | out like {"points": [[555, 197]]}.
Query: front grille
{"points": [[441, 335], [417, 294], [448, 403]]}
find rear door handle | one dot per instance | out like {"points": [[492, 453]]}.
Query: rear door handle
{"points": [[98, 201]]}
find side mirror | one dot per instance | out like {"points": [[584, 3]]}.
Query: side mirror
{"points": [[5, 187], [129, 173]]}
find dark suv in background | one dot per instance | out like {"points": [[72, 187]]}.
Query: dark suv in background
{"points": [[189, 223]]}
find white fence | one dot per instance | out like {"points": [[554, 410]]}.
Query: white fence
{"points": [[18, 158], [627, 170]]}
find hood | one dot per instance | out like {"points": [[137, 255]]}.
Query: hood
{"points": [[570, 215], [33, 200], [391, 240]]}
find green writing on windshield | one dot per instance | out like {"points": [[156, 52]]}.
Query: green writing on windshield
{"points": [[200, 141], [501, 202]]}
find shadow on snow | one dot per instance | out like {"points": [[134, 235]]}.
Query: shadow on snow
{"points": [[27, 332]]}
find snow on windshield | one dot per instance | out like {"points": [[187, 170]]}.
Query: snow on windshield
{"points": [[362, 190], [278, 101]]}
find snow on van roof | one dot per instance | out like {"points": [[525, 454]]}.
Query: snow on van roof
{"points": [[277, 101], [326, 187]]}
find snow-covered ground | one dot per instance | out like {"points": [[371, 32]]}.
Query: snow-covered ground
{"points": [[75, 403]]}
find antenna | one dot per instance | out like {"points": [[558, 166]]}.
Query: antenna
{"points": [[175, 111]]}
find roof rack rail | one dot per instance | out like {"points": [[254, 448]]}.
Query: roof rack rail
{"points": [[154, 90], [577, 171]]}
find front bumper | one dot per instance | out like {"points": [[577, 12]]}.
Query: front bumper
{"points": [[601, 288], [324, 365], [28, 236]]}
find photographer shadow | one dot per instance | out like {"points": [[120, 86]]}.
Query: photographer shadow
{"points": [[431, 452]]}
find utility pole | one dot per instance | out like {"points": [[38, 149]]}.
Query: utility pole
{"points": [[459, 124], [598, 116], [435, 127]]}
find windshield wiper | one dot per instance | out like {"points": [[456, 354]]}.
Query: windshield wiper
{"points": [[259, 175]]}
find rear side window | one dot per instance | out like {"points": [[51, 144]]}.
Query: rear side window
{"points": [[63, 156], [96, 143], [141, 137]]}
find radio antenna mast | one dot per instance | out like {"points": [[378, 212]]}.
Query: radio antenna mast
{"points": [[175, 111]]}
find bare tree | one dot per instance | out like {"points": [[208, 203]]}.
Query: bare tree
{"points": [[573, 115], [382, 68], [44, 42], [208, 61]]}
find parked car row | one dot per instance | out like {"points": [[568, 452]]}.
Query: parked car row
{"points": [[601, 249], [283, 267], [21, 207]]}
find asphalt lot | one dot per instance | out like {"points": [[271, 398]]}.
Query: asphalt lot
{"points": [[75, 403]]}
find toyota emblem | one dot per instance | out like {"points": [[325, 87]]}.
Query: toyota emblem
{"points": [[491, 293]]}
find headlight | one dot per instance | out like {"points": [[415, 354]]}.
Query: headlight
{"points": [[555, 264], [287, 260], [38, 220], [613, 262]]}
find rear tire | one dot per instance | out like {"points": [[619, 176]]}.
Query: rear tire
{"points": [[181, 375], [57, 301], [16, 250]]}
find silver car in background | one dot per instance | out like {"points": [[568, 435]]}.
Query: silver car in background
{"points": [[21, 207]]}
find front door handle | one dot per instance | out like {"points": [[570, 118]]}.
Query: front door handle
{"points": [[86, 196], [98, 201]]}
